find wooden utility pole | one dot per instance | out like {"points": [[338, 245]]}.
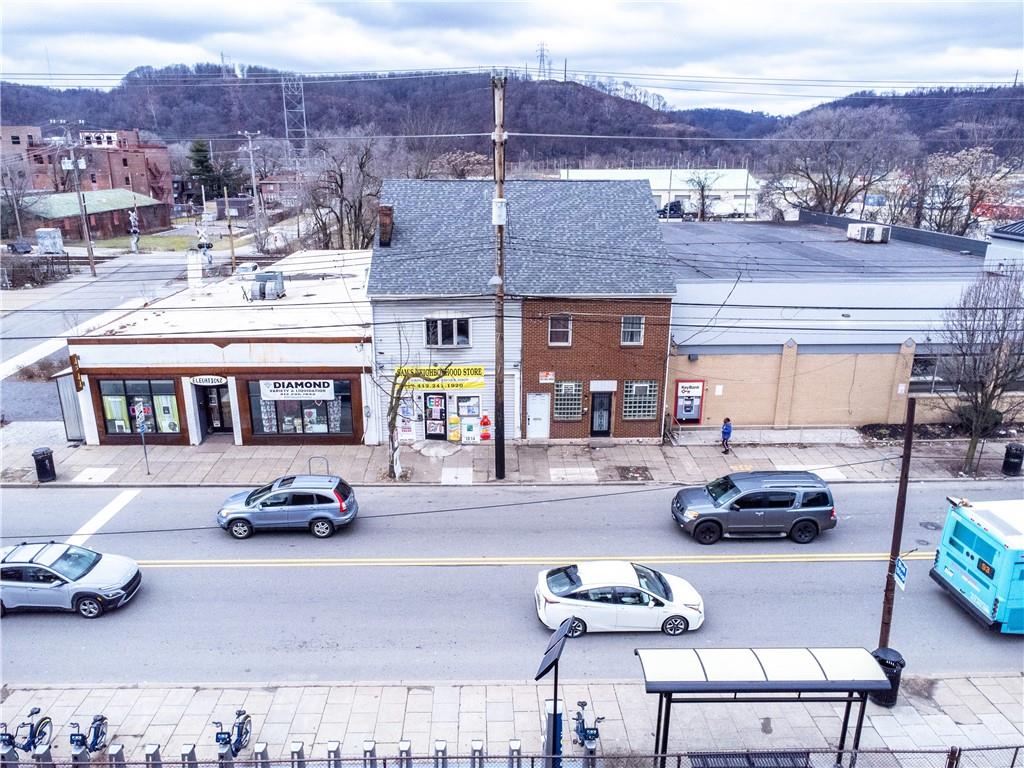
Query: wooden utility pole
{"points": [[81, 203], [897, 527], [498, 216], [231, 234]]}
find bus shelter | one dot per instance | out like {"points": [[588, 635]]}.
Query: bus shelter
{"points": [[761, 675]]}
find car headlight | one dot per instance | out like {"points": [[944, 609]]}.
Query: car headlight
{"points": [[693, 607], [112, 592], [690, 514]]}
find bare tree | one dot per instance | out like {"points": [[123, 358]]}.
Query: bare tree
{"points": [[17, 195], [395, 386], [984, 367], [959, 186], [827, 158], [702, 183]]}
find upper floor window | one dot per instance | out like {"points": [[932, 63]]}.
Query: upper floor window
{"points": [[124, 161], [447, 332], [559, 330], [31, 140], [15, 139], [632, 330]]}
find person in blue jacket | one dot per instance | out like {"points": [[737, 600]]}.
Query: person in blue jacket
{"points": [[726, 434]]}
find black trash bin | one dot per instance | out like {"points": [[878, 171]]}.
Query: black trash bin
{"points": [[1013, 459], [45, 471], [892, 664]]}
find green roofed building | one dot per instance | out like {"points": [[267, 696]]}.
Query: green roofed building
{"points": [[106, 209]]}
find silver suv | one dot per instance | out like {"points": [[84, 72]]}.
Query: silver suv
{"points": [[319, 503], [64, 577], [794, 504]]}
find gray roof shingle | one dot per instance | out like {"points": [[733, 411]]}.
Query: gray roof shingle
{"points": [[563, 238]]}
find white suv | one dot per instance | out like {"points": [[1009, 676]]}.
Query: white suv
{"points": [[64, 577]]}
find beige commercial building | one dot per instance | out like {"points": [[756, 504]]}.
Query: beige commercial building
{"points": [[797, 325]]}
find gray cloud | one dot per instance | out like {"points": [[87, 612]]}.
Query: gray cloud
{"points": [[861, 42]]}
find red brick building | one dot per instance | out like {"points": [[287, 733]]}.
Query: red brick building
{"points": [[594, 367]]}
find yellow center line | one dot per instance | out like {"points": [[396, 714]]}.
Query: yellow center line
{"points": [[498, 560]]}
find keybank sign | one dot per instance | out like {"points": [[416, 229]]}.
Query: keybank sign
{"points": [[297, 389]]}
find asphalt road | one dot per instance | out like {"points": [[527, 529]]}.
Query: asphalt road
{"points": [[436, 584]]}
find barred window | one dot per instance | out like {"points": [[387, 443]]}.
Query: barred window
{"points": [[559, 331], [633, 330], [568, 400], [640, 400]]}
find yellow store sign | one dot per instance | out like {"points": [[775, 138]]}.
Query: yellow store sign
{"points": [[455, 377]]}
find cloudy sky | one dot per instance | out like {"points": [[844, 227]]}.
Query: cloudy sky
{"points": [[779, 57]]}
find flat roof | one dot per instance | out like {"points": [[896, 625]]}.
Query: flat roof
{"points": [[750, 670], [325, 295], [766, 252], [1004, 517]]}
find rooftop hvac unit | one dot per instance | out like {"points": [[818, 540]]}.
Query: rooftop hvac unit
{"points": [[266, 285], [868, 233]]}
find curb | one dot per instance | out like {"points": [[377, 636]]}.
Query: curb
{"points": [[494, 484]]}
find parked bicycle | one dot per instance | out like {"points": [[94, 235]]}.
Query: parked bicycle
{"points": [[95, 739], [39, 733], [586, 736], [237, 738]]}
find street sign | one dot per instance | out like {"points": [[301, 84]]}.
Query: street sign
{"points": [[900, 574]]}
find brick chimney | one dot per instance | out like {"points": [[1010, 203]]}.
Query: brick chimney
{"points": [[386, 218]]}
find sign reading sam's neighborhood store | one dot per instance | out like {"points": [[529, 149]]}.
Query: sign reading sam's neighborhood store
{"points": [[297, 389], [456, 376]]}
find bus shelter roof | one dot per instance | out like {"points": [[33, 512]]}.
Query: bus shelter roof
{"points": [[760, 670]]}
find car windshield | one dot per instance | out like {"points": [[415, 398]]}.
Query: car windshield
{"points": [[75, 562], [562, 581], [251, 498], [652, 581], [721, 490]]}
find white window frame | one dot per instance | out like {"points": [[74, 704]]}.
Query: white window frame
{"points": [[455, 336], [560, 316], [645, 409], [623, 331], [568, 411]]}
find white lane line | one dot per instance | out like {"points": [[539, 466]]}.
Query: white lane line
{"points": [[103, 517]]}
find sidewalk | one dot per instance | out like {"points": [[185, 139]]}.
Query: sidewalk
{"points": [[217, 462], [930, 714]]}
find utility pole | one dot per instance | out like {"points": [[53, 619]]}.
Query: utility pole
{"points": [[81, 202], [252, 175], [498, 217], [15, 200], [897, 527], [231, 234]]}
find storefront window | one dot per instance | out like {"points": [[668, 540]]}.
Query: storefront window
{"points": [[126, 403], [289, 417]]}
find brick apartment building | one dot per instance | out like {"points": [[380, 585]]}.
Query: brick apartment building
{"points": [[597, 366], [113, 160]]}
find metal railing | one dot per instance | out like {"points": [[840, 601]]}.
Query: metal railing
{"points": [[438, 757]]}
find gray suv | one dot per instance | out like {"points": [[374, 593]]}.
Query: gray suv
{"points": [[64, 577], [319, 503], [794, 504]]}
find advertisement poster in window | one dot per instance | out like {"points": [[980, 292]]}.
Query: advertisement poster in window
{"points": [[406, 420]]}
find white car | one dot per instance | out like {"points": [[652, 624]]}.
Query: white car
{"points": [[617, 596]]}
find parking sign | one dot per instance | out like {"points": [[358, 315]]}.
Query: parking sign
{"points": [[900, 574]]}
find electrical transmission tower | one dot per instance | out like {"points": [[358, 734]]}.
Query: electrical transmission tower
{"points": [[294, 114], [543, 62]]}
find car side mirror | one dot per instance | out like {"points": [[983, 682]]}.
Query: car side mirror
{"points": [[734, 507], [54, 583]]}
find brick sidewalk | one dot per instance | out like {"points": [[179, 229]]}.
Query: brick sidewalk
{"points": [[931, 713], [219, 462]]}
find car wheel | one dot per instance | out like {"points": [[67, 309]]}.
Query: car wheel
{"points": [[240, 529], [804, 532], [707, 532], [675, 625], [578, 628], [322, 528], [89, 607]]}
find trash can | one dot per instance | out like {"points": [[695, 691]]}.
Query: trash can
{"points": [[1012, 459], [45, 471], [892, 664]]}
